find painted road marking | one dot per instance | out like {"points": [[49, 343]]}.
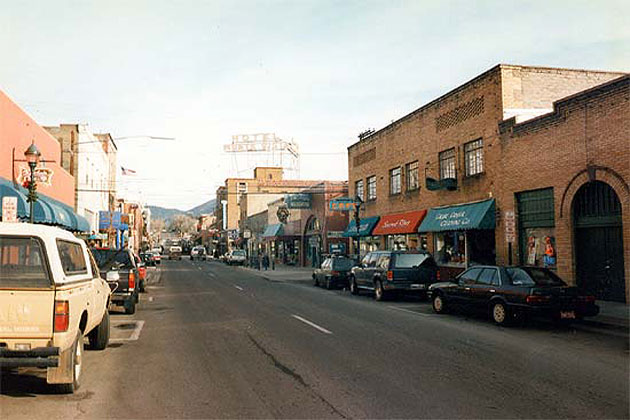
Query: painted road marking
{"points": [[135, 333], [312, 324], [408, 311], [239, 288]]}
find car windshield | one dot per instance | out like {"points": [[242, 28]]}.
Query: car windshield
{"points": [[342, 264], [530, 276], [239, 253], [411, 260], [108, 258]]}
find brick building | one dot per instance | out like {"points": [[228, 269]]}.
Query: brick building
{"points": [[577, 165], [447, 158]]}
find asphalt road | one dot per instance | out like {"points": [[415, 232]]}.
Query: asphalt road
{"points": [[210, 341]]}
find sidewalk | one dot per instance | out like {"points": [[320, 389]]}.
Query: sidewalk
{"points": [[613, 314], [283, 273]]}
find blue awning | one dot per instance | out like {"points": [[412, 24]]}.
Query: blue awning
{"points": [[365, 228], [7, 190], [45, 210], [272, 230], [460, 217]]}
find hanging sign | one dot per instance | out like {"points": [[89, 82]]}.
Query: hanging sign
{"points": [[9, 209], [510, 227], [342, 204]]}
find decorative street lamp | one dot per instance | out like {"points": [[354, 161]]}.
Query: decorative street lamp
{"points": [[32, 155]]}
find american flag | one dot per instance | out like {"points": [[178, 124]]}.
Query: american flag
{"points": [[127, 171]]}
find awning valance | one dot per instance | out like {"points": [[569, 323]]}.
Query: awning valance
{"points": [[365, 228], [45, 210], [400, 223], [467, 216], [272, 231]]}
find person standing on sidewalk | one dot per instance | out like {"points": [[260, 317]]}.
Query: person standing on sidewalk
{"points": [[265, 261]]}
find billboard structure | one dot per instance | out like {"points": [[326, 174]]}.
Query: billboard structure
{"points": [[263, 149]]}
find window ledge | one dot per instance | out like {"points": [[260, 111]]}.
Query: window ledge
{"points": [[474, 176]]}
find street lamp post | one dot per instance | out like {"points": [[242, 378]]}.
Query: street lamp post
{"points": [[32, 155], [357, 221]]}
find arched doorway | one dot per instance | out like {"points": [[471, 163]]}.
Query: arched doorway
{"points": [[599, 241]]}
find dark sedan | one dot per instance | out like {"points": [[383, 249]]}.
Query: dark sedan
{"points": [[333, 272], [508, 293]]}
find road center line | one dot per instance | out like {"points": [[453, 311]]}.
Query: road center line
{"points": [[239, 288], [312, 324], [408, 311]]}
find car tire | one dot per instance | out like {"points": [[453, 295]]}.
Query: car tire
{"points": [[354, 289], [500, 313], [77, 365], [379, 292], [130, 306], [99, 336], [439, 303]]}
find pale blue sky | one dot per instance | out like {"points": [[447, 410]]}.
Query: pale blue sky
{"points": [[316, 71]]}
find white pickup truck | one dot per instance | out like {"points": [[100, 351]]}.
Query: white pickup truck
{"points": [[51, 297]]}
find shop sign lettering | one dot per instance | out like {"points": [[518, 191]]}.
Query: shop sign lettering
{"points": [[400, 223], [453, 219], [43, 176]]}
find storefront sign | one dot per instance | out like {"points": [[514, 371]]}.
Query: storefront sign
{"points": [[9, 209], [342, 204], [399, 223], [298, 201], [334, 234], [337, 248], [109, 219], [478, 215], [510, 226], [43, 176]]}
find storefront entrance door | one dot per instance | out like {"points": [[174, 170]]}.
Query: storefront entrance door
{"points": [[599, 241]]}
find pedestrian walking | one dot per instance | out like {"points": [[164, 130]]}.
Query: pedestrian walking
{"points": [[265, 261]]}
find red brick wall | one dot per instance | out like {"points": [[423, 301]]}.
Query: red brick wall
{"points": [[589, 129]]}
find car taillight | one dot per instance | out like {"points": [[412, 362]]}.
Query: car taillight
{"points": [[62, 315], [587, 299], [538, 299], [438, 277], [334, 273], [390, 275], [132, 281]]}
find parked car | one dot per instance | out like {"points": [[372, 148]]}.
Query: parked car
{"points": [[509, 292], [236, 256], [147, 258], [51, 296], [156, 257], [333, 272], [119, 266], [390, 272], [198, 252], [142, 273], [175, 253]]}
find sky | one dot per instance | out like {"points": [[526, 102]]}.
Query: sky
{"points": [[315, 71]]}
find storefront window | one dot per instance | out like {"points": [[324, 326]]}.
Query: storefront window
{"points": [[450, 248], [418, 242], [541, 247], [397, 242]]}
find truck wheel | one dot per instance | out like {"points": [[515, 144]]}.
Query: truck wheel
{"points": [[354, 289], [130, 306], [99, 336], [77, 364], [379, 292]]}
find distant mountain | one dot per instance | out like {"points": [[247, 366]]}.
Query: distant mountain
{"points": [[167, 214], [205, 208]]}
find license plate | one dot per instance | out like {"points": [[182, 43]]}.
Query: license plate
{"points": [[567, 314]]}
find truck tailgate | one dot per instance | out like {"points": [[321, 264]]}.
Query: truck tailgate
{"points": [[26, 313]]}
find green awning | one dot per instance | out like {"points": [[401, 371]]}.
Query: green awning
{"points": [[272, 231], [365, 228], [478, 215]]}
